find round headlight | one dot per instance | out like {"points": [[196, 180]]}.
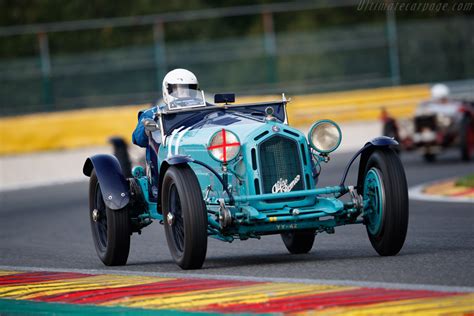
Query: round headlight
{"points": [[325, 136], [224, 146]]}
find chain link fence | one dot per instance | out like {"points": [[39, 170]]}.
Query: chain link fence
{"points": [[336, 58]]}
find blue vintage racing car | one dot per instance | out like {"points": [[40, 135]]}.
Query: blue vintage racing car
{"points": [[239, 171]]}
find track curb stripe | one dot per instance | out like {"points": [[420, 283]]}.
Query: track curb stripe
{"points": [[103, 293], [199, 276], [349, 298], [429, 192], [36, 277], [99, 296]]}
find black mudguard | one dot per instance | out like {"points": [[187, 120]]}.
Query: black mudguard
{"points": [[170, 161], [364, 152], [114, 186], [378, 142]]}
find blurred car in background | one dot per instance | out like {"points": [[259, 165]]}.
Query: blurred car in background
{"points": [[439, 123]]}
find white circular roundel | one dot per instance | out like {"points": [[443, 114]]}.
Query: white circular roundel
{"points": [[224, 146]]}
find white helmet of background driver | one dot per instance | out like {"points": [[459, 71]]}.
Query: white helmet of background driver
{"points": [[439, 91], [179, 83]]}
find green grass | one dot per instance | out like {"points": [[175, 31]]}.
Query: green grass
{"points": [[467, 181]]}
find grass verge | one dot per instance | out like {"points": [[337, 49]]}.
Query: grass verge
{"points": [[466, 181]]}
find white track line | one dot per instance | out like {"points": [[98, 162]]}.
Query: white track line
{"points": [[369, 284], [40, 184], [416, 193]]}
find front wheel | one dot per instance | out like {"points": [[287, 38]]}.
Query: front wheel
{"points": [[298, 242], [185, 217], [110, 228], [385, 197]]}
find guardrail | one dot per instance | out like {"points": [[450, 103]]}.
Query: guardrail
{"points": [[358, 105]]}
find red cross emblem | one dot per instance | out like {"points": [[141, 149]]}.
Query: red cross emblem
{"points": [[224, 144]]}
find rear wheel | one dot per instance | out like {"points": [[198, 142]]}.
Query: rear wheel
{"points": [[185, 217], [298, 242], [110, 228], [467, 138], [385, 197]]}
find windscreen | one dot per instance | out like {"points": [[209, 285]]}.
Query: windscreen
{"points": [[185, 96]]}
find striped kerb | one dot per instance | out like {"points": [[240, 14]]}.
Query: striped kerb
{"points": [[110, 293]]}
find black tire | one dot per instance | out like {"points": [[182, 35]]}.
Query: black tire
{"points": [[298, 242], [187, 233], [111, 230], [390, 236], [429, 157], [466, 142]]}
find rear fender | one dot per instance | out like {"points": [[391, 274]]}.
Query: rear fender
{"points": [[115, 188]]}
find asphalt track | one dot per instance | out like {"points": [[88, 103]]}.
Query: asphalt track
{"points": [[47, 227]]}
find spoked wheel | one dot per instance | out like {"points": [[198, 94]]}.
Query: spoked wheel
{"points": [[175, 220], [467, 139], [185, 217], [110, 228], [385, 197], [298, 242]]}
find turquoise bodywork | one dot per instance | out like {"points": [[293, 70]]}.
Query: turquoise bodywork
{"points": [[253, 214]]}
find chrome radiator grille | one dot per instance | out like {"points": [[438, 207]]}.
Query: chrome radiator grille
{"points": [[280, 159]]}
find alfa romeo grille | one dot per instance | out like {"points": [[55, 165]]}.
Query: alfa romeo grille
{"points": [[280, 159]]}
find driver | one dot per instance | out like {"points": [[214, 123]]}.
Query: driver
{"points": [[440, 103], [178, 85]]}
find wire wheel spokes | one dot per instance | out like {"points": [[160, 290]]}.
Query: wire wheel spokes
{"points": [[101, 222], [177, 225]]}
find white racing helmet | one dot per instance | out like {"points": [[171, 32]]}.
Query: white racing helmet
{"points": [[179, 83], [439, 91]]}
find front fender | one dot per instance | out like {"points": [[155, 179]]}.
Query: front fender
{"points": [[382, 141], [378, 142], [115, 188], [170, 161], [177, 159], [364, 152]]}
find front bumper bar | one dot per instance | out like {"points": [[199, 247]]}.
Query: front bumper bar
{"points": [[295, 194]]}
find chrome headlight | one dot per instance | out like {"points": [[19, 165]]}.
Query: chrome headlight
{"points": [[325, 136]]}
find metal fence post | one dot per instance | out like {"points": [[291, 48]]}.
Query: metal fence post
{"points": [[45, 62], [159, 51], [393, 44], [269, 42]]}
